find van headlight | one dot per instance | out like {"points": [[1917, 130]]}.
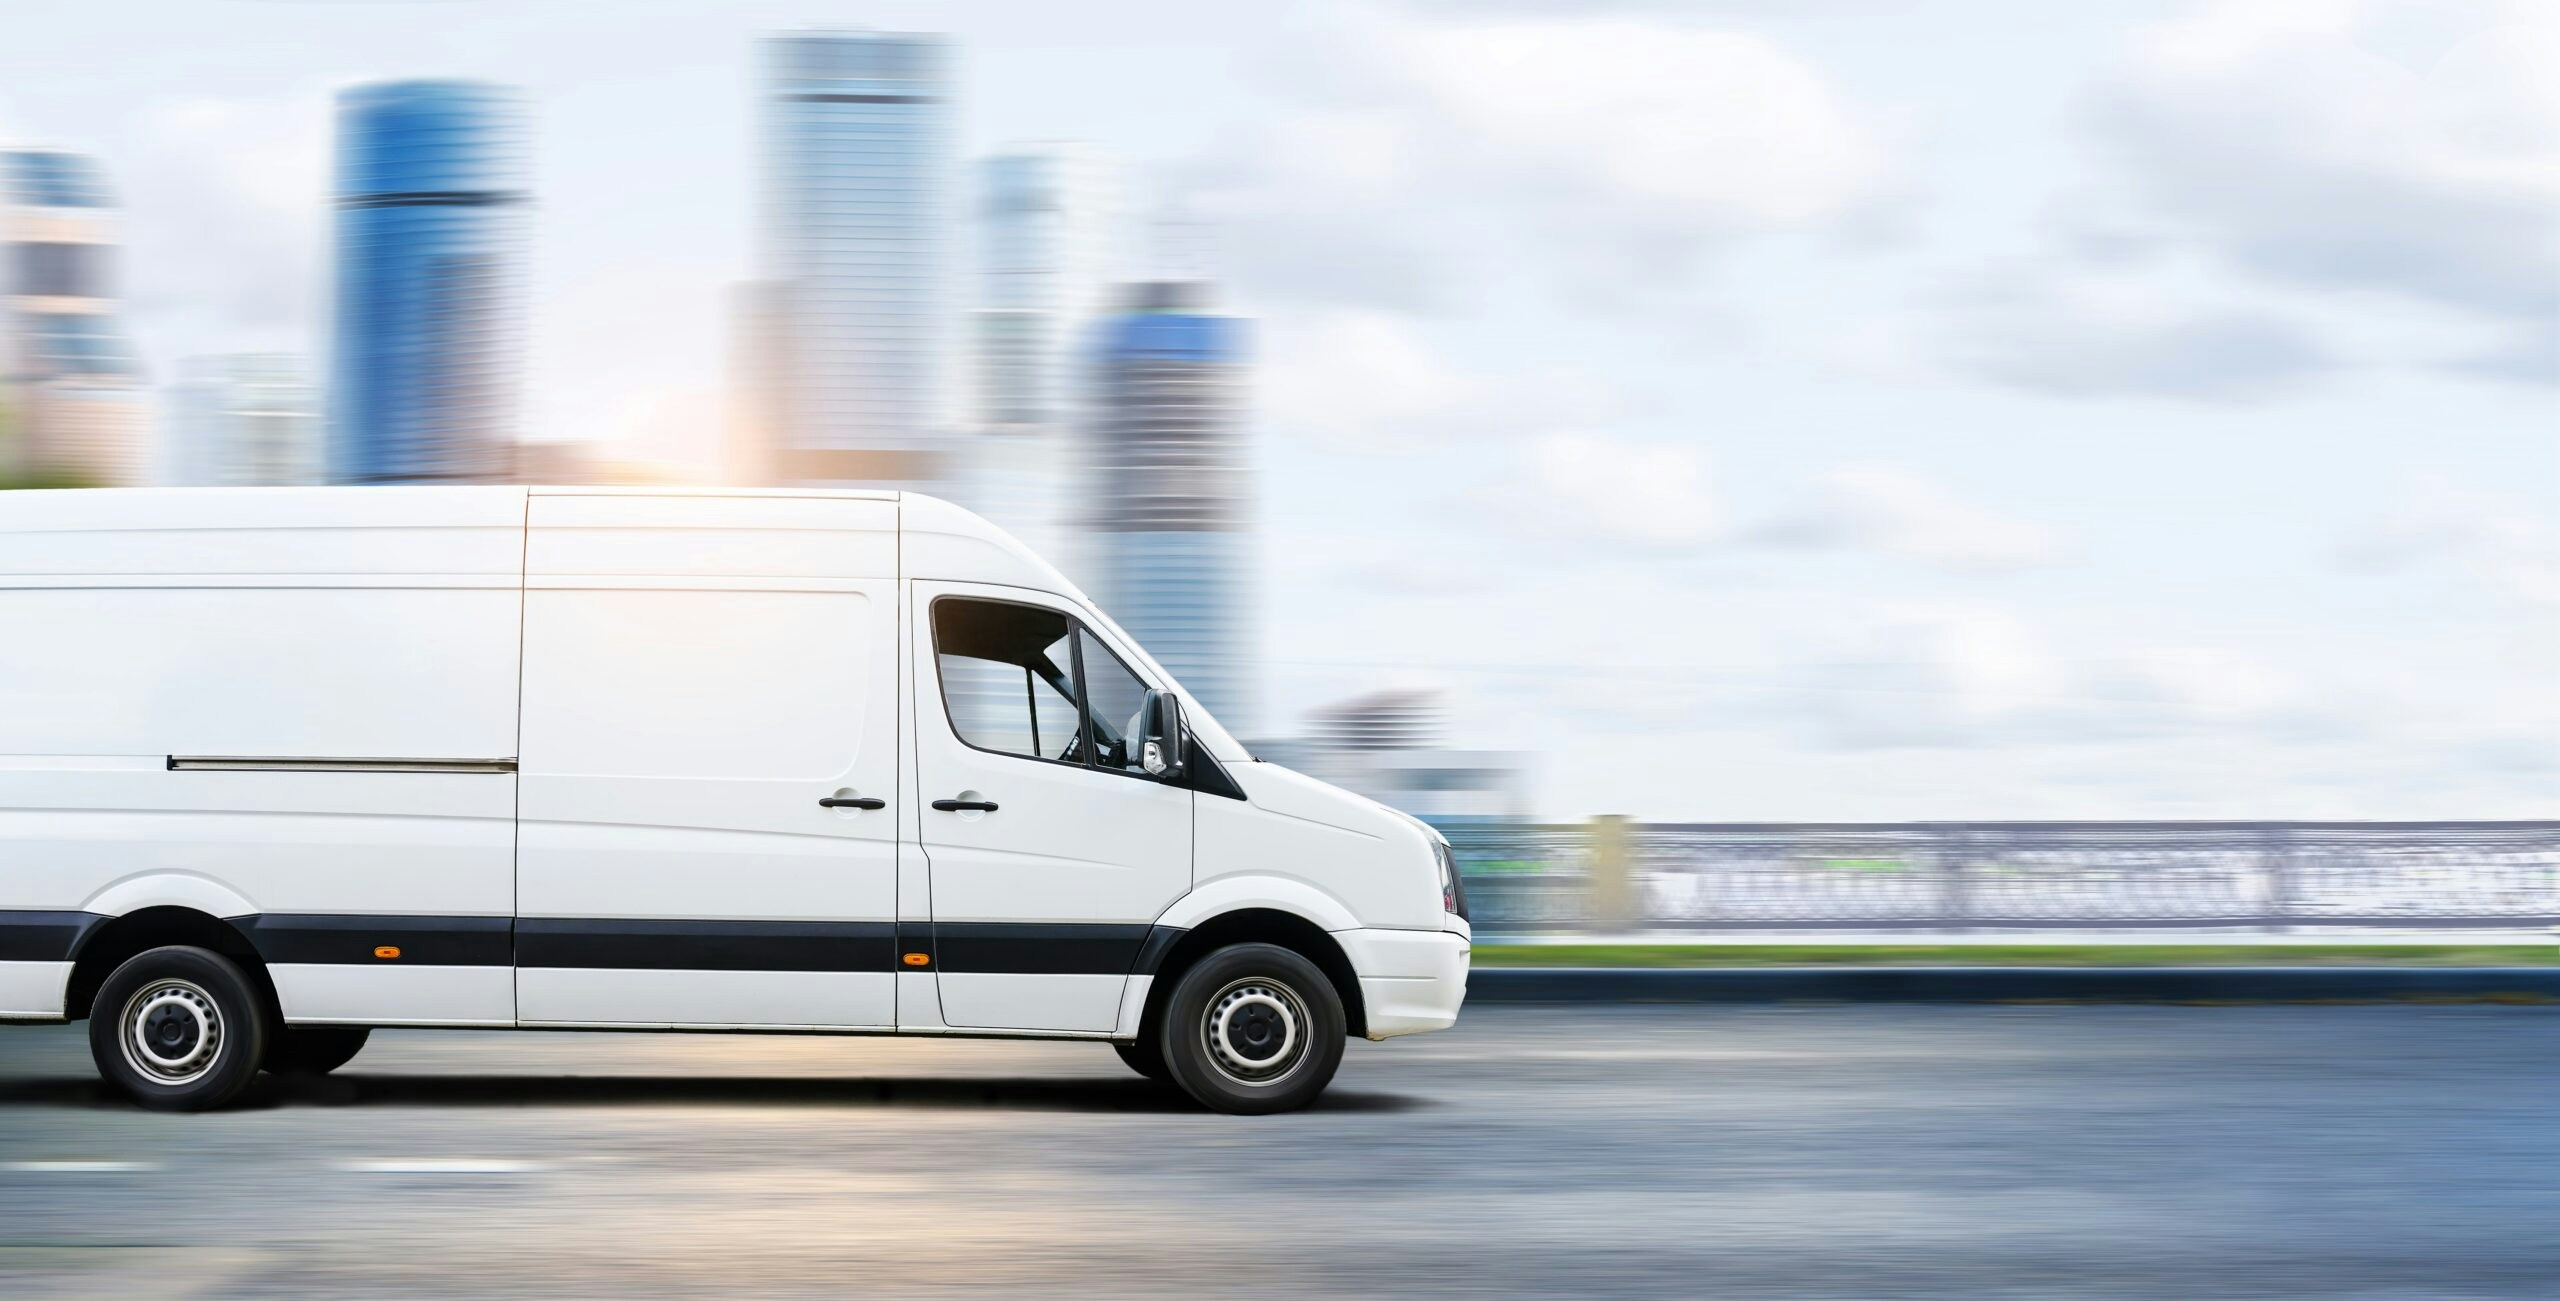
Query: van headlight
{"points": [[1453, 888]]}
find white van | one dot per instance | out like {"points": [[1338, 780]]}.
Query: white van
{"points": [[281, 765]]}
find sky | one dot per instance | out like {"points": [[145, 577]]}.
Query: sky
{"points": [[1754, 410]]}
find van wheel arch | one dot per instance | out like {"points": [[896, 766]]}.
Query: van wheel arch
{"points": [[1258, 926], [113, 943]]}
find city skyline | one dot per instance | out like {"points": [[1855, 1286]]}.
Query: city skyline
{"points": [[1886, 427]]}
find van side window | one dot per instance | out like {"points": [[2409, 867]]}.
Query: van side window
{"points": [[1008, 677], [1117, 696]]}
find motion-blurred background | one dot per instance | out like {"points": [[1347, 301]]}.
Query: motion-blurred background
{"points": [[1517, 411]]}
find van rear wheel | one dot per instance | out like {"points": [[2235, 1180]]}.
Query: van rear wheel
{"points": [[317, 1050], [1253, 1029], [179, 1029]]}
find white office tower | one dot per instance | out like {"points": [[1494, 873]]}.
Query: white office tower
{"points": [[72, 406], [245, 420], [857, 245], [1046, 217]]}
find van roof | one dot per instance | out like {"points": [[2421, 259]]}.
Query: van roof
{"points": [[83, 510], [655, 490]]}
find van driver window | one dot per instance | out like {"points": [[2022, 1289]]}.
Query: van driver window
{"points": [[1117, 697], [1008, 677]]}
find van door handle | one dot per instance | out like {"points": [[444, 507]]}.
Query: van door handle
{"points": [[853, 802], [965, 806]]}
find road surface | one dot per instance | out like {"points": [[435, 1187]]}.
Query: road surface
{"points": [[1959, 1152]]}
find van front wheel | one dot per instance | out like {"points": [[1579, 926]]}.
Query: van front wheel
{"points": [[178, 1029], [1253, 1029]]}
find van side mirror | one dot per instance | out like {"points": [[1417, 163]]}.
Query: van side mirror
{"points": [[1161, 754]]}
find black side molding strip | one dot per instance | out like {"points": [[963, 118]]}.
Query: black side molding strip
{"points": [[348, 938], [1159, 946], [662, 945], [44, 936], [1038, 948], [993, 948]]}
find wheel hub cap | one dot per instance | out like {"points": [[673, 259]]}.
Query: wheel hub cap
{"points": [[172, 1032], [1256, 1031]]}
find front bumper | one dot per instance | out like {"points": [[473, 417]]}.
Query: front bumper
{"points": [[1410, 981]]}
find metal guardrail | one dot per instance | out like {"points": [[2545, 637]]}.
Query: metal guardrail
{"points": [[1611, 875]]}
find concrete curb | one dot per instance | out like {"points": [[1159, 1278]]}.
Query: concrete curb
{"points": [[2010, 984]]}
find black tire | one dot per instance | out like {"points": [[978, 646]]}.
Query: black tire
{"points": [[314, 1051], [1278, 1029], [1146, 1057], [179, 1029]]}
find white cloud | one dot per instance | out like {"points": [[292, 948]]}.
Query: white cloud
{"points": [[1382, 381], [2406, 153], [2118, 331], [2315, 143], [1886, 508], [1601, 488], [2495, 538], [1364, 377], [1421, 149], [1974, 676], [225, 203], [2205, 683], [1672, 123]]}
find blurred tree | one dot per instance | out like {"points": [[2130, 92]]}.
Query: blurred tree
{"points": [[14, 470]]}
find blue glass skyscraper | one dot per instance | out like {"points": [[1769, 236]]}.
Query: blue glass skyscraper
{"points": [[431, 197], [1171, 493]]}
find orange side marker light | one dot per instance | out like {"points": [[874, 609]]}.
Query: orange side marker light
{"points": [[918, 959], [387, 952]]}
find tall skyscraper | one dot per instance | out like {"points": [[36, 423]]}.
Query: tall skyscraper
{"points": [[72, 405], [245, 420], [857, 246], [1046, 214], [1171, 495], [431, 197]]}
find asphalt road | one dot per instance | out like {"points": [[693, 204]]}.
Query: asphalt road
{"points": [[1972, 1152]]}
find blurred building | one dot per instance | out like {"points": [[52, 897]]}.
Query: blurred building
{"points": [[759, 349], [1390, 746], [431, 193], [858, 246], [76, 410], [1168, 492], [245, 420], [1046, 217], [1047, 213]]}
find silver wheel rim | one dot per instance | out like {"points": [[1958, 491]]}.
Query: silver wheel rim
{"points": [[1256, 1031], [171, 1031]]}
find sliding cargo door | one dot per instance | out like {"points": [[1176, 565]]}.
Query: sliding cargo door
{"points": [[709, 762]]}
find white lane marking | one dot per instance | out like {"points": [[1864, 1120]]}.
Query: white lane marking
{"points": [[436, 1166], [80, 1167]]}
